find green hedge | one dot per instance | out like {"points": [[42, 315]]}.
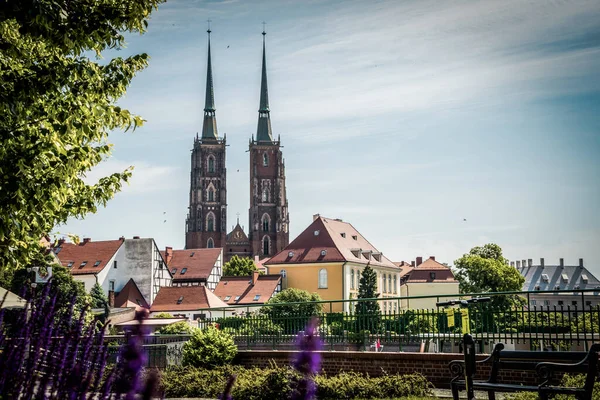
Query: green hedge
{"points": [[280, 383]]}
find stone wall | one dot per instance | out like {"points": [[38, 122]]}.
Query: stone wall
{"points": [[434, 366]]}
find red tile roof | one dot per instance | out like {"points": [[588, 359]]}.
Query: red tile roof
{"points": [[90, 252], [130, 296], [330, 240], [423, 272], [192, 298], [199, 263], [230, 287]]}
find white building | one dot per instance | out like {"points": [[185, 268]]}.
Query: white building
{"points": [[112, 263]]}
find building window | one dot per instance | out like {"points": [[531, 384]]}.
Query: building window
{"points": [[237, 298], [265, 194], [384, 284], [352, 279], [211, 194], [227, 298], [265, 160], [265, 223], [533, 302], [574, 302], [210, 244], [211, 164], [432, 275], [395, 284], [283, 273], [183, 271], [323, 278], [266, 246], [111, 286], [389, 283], [173, 271], [210, 222], [560, 302], [256, 297]]}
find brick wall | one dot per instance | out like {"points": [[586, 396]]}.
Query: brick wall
{"points": [[434, 366]]}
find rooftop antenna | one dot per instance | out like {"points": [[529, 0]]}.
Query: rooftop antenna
{"points": [[208, 30], [264, 31]]}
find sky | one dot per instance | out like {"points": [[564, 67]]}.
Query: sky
{"points": [[432, 127]]}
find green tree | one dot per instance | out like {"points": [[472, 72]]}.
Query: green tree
{"points": [[239, 266], [57, 107], [292, 317], [483, 270], [176, 328], [99, 299], [368, 313], [208, 347]]}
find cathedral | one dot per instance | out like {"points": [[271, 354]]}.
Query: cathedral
{"points": [[206, 224]]}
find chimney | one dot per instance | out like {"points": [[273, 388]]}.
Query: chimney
{"points": [[419, 261], [111, 298], [561, 262], [518, 264], [136, 237], [581, 262], [86, 240], [542, 262], [530, 262], [432, 258], [60, 242], [168, 254], [316, 216], [122, 238], [523, 263], [255, 274], [412, 264], [512, 263]]}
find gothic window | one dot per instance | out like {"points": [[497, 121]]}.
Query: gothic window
{"points": [[211, 164], [265, 160], [210, 244], [265, 194], [323, 278], [265, 223], [211, 194], [266, 246], [210, 222]]}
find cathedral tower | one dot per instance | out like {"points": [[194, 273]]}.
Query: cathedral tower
{"points": [[206, 223], [269, 219]]}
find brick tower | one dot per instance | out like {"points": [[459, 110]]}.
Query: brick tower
{"points": [[206, 223], [268, 215]]}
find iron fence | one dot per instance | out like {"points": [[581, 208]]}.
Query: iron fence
{"points": [[566, 320]]}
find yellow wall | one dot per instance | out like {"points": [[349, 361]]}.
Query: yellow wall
{"points": [[427, 289], [306, 277]]}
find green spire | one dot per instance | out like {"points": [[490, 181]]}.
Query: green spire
{"points": [[264, 133], [209, 128]]}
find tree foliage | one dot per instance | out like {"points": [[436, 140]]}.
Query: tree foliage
{"points": [[368, 313], [239, 266], [176, 328], [99, 299], [282, 310], [484, 269], [57, 107]]}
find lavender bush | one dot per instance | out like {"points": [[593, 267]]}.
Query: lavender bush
{"points": [[60, 357]]}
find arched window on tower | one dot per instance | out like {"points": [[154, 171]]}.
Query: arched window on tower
{"points": [[211, 164], [211, 194], [265, 160], [210, 244], [266, 246], [265, 223], [265, 194], [323, 278], [210, 222]]}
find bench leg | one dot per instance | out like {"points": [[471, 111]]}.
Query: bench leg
{"points": [[454, 391], [543, 395], [491, 395]]}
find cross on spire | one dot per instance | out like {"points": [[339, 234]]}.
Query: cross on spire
{"points": [[264, 31], [238, 218]]}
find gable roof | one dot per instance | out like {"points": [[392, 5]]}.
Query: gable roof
{"points": [[88, 252], [130, 296], [192, 298], [199, 263], [430, 271], [237, 235], [330, 240], [234, 286], [547, 277]]}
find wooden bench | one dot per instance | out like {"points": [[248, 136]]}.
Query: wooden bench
{"points": [[547, 366]]}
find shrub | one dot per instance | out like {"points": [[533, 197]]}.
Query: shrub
{"points": [[163, 315], [209, 347], [568, 381], [176, 328], [282, 383]]}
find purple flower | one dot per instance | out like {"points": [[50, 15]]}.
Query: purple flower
{"points": [[227, 393], [308, 360]]}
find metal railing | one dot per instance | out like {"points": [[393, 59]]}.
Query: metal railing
{"points": [[570, 319]]}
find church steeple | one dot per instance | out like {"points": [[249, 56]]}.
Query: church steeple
{"points": [[264, 133], [209, 128]]}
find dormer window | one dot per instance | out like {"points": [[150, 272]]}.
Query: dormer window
{"points": [[584, 278], [180, 300], [227, 298], [565, 277], [82, 264], [183, 271], [545, 277], [70, 264], [556, 287], [237, 298], [97, 263], [343, 234], [256, 297], [173, 271], [291, 254], [192, 254], [355, 253], [354, 237], [323, 253], [537, 288], [317, 232]]}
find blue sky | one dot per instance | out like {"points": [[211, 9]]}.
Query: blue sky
{"points": [[401, 117]]}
